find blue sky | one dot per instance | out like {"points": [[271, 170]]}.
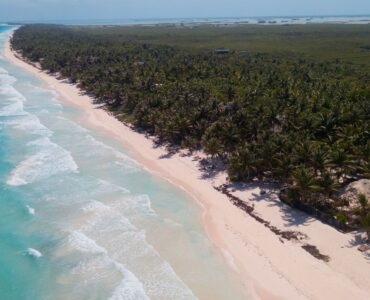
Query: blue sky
{"points": [[121, 9]]}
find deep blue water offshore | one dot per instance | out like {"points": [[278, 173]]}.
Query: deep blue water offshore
{"points": [[80, 219]]}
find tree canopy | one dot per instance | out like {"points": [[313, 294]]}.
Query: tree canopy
{"points": [[302, 122]]}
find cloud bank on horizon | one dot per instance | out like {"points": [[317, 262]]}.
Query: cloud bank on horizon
{"points": [[18, 10]]}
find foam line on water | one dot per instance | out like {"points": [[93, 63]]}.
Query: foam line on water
{"points": [[30, 210], [3, 71], [77, 191], [133, 205], [37, 89], [95, 269], [116, 153], [11, 97], [81, 242], [111, 186], [53, 95], [50, 160], [13, 109], [29, 124], [72, 124], [130, 287], [94, 206], [10, 92], [6, 80], [108, 226], [33, 252]]}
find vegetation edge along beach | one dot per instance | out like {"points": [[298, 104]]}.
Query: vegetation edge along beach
{"points": [[217, 111]]}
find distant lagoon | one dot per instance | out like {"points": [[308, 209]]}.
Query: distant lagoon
{"points": [[267, 20]]}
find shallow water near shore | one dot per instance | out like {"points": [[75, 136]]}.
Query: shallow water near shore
{"points": [[80, 219]]}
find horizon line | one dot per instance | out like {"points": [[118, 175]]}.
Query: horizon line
{"points": [[183, 18]]}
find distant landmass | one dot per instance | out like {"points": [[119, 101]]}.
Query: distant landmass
{"points": [[267, 20]]}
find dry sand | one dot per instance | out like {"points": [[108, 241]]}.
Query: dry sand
{"points": [[269, 266]]}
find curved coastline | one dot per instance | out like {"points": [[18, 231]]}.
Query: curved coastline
{"points": [[269, 267]]}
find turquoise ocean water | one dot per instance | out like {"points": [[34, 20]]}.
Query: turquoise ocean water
{"points": [[80, 219]]}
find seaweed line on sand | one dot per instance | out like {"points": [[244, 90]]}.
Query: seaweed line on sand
{"points": [[283, 234]]}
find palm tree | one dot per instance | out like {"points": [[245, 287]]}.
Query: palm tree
{"points": [[304, 182], [213, 147], [365, 213], [243, 163], [341, 162], [283, 166], [319, 159], [327, 185], [302, 152]]}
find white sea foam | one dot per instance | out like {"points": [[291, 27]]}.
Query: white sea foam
{"points": [[95, 206], [108, 186], [29, 124], [130, 287], [44, 111], [96, 268], [72, 125], [16, 180], [56, 104], [114, 152], [11, 93], [110, 242], [172, 222], [34, 253], [41, 142], [6, 80], [101, 214], [52, 159], [91, 266], [83, 243], [3, 71], [109, 226], [12, 97], [30, 210], [135, 205], [38, 89], [13, 109]]}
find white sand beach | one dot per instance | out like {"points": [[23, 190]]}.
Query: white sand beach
{"points": [[269, 265]]}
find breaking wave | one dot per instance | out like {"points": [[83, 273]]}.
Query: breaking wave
{"points": [[30, 210], [126, 247], [34, 253], [52, 159]]}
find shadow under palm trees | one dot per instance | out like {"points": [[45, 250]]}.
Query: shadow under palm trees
{"points": [[167, 155], [295, 217], [357, 240], [360, 240], [210, 167], [269, 192]]}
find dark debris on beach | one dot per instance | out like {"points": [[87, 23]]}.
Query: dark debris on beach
{"points": [[289, 235]]}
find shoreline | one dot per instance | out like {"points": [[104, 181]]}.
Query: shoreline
{"points": [[268, 266]]}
